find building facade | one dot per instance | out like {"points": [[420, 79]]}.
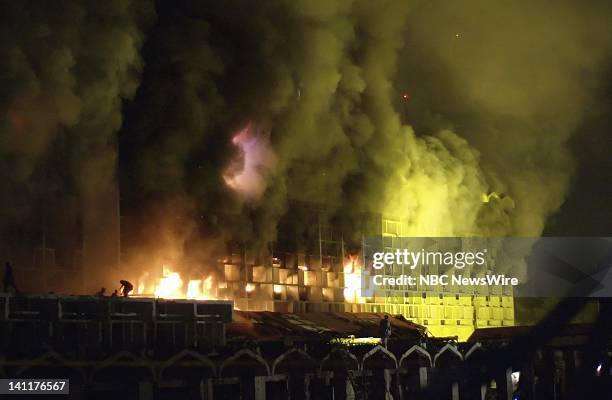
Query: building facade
{"points": [[324, 276]]}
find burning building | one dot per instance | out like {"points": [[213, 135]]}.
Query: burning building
{"points": [[315, 271], [320, 271], [238, 111]]}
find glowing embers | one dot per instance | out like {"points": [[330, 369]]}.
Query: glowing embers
{"points": [[248, 172]]}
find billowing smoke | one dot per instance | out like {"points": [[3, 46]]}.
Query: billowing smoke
{"points": [[477, 146], [494, 93], [66, 68], [515, 80]]}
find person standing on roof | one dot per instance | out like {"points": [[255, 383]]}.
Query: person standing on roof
{"points": [[384, 329]]}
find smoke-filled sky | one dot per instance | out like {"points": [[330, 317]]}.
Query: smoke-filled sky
{"points": [[461, 117]]}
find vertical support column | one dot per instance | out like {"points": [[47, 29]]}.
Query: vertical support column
{"points": [[209, 389], [423, 378], [455, 391], [560, 373], [260, 388], [307, 386], [388, 376], [394, 386]]}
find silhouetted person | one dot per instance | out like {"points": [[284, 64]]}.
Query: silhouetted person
{"points": [[384, 329], [9, 278], [126, 287], [101, 292], [114, 293]]}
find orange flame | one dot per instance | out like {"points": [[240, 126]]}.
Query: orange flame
{"points": [[171, 286], [352, 281]]}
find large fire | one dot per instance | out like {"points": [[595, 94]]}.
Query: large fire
{"points": [[172, 286]]}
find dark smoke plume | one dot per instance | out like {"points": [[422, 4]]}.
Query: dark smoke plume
{"points": [[66, 68]]}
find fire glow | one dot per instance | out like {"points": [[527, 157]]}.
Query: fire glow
{"points": [[249, 171], [352, 281], [171, 286]]}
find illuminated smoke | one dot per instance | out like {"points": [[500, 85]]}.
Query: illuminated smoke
{"points": [[248, 173], [461, 129]]}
